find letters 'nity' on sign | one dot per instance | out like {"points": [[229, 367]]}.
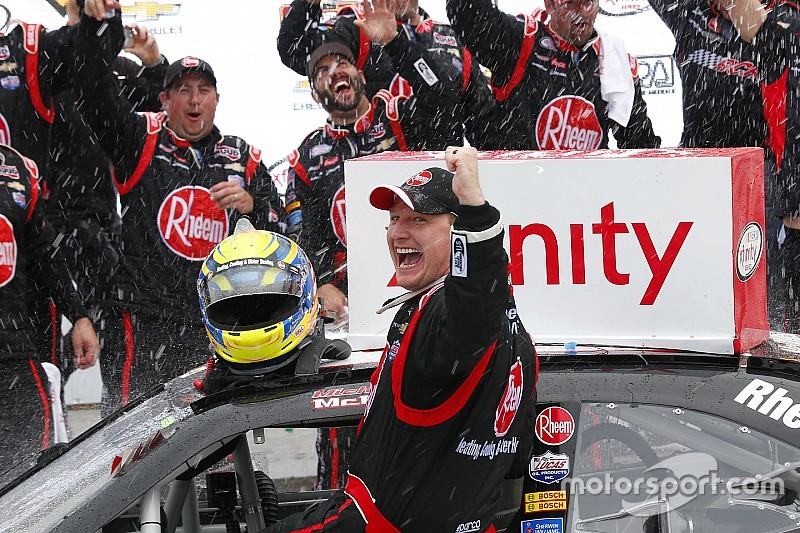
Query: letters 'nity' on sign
{"points": [[643, 248]]}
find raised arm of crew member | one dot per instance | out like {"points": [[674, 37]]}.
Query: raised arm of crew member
{"points": [[298, 37]]}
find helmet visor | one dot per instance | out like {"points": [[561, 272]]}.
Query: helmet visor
{"points": [[251, 293]]}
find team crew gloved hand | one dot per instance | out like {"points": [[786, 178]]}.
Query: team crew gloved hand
{"points": [[84, 343]]}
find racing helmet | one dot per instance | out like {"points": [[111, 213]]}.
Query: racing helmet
{"points": [[258, 299]]}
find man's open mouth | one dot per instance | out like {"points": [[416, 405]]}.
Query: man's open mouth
{"points": [[408, 257], [341, 87]]}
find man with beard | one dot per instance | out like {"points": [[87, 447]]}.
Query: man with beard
{"points": [[182, 185], [473, 113], [559, 84], [355, 127]]}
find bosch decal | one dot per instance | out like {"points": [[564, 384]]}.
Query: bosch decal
{"points": [[554, 500], [771, 401], [554, 426], [568, 122], [543, 525], [420, 178], [191, 223], [340, 398], [549, 468], [339, 216], [748, 251], [8, 251], [512, 398]]}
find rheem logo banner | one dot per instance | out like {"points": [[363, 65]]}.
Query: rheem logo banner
{"points": [[643, 248]]}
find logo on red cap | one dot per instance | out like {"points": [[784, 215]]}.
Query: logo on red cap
{"points": [[512, 398], [8, 251], [554, 426], [190, 62], [419, 179], [191, 223], [568, 123]]}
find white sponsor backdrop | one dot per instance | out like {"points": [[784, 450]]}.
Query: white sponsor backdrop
{"points": [[688, 202], [270, 106]]}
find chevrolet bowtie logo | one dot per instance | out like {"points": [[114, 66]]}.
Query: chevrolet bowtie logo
{"points": [[144, 11]]}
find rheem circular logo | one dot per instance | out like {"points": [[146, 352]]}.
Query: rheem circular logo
{"points": [[190, 62], [568, 123], [339, 216], [191, 223], [421, 178], [554, 426], [8, 251]]}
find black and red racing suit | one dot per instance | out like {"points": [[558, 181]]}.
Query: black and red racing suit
{"points": [[82, 201], [170, 222], [548, 91], [473, 113], [28, 256], [451, 401], [778, 45]]}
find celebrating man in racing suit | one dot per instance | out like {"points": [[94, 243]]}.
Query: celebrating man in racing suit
{"points": [[28, 255], [452, 396], [355, 127], [182, 185], [558, 83], [473, 112]]}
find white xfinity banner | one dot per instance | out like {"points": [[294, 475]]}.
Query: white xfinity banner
{"points": [[646, 248]]}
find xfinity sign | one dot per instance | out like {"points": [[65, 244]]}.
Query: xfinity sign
{"points": [[643, 248]]}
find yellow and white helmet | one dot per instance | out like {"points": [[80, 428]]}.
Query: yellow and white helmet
{"points": [[258, 298]]}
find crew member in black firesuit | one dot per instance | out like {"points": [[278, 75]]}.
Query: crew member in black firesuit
{"points": [[457, 375], [775, 37], [723, 104], [473, 113], [35, 65], [82, 203], [28, 254], [182, 185], [355, 127], [560, 85]]}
